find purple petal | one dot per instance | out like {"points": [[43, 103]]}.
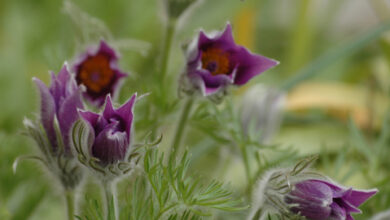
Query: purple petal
{"points": [[67, 115], [346, 205], [126, 113], [106, 49], [89, 117], [354, 197], [357, 197], [64, 75], [211, 81], [338, 213], [108, 109], [311, 199], [224, 39], [48, 111], [250, 65], [110, 146]]}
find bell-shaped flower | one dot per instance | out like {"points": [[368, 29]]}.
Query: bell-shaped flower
{"points": [[97, 69], [322, 199], [110, 131], [59, 103], [216, 61]]}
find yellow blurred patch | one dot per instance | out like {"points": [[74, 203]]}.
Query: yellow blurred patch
{"points": [[340, 100], [245, 26]]}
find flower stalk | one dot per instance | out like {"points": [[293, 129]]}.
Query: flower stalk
{"points": [[169, 35], [69, 197], [110, 200], [181, 126], [245, 159]]}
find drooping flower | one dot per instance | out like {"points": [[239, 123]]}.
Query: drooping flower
{"points": [[215, 62], [111, 131], [301, 193], [97, 69], [321, 200], [59, 103]]}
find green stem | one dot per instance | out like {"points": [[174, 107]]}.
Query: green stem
{"points": [[245, 159], [181, 126], [110, 197], [69, 196], [170, 32]]}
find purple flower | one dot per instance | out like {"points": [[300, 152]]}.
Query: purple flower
{"points": [[111, 131], [98, 71], [60, 102], [322, 200], [215, 62]]}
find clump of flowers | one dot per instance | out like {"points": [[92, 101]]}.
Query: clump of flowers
{"points": [[215, 61], [299, 193], [97, 69]]}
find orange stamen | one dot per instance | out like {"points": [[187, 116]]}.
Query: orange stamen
{"points": [[95, 73], [216, 61]]}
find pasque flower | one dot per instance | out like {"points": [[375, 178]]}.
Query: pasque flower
{"points": [[322, 199], [97, 69], [59, 103], [300, 193], [52, 132], [216, 61], [111, 131]]}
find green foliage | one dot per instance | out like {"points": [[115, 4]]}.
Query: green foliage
{"points": [[174, 190]]}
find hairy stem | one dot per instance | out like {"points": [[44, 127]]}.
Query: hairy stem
{"points": [[69, 197], [110, 204], [181, 126], [245, 159], [169, 35]]}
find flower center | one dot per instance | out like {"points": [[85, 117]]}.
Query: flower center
{"points": [[95, 73], [216, 61]]}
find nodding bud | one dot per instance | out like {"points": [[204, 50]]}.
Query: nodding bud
{"points": [[301, 194]]}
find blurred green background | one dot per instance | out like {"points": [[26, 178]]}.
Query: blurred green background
{"points": [[340, 110]]}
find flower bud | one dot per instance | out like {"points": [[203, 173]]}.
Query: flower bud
{"points": [[103, 140], [111, 131], [59, 104]]}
